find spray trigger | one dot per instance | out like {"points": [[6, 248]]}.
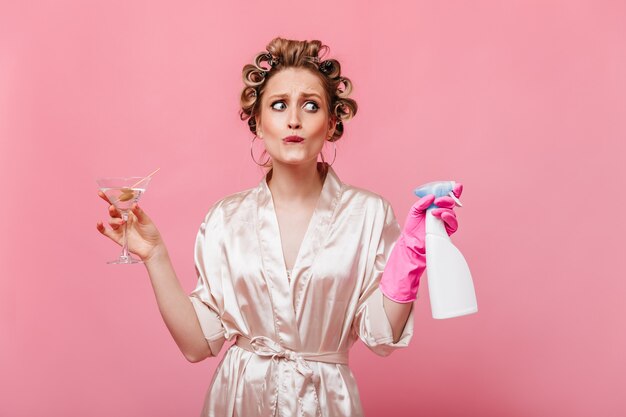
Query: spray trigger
{"points": [[456, 200]]}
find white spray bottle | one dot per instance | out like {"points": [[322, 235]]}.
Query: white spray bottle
{"points": [[450, 284]]}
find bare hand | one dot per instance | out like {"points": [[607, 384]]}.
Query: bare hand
{"points": [[144, 239]]}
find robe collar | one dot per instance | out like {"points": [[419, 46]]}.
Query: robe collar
{"points": [[330, 188]]}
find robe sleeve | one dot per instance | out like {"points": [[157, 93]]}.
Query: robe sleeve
{"points": [[371, 322], [205, 296]]}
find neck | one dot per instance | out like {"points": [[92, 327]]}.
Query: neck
{"points": [[295, 183]]}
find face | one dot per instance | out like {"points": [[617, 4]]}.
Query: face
{"points": [[294, 104]]}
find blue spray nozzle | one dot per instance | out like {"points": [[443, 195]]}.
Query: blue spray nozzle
{"points": [[439, 189]]}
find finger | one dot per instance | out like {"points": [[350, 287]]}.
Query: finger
{"points": [[422, 204], [141, 215], [106, 232], [457, 189], [104, 196], [438, 211], [113, 212], [445, 202], [115, 223], [448, 216]]}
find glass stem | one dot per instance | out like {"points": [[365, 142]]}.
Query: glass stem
{"points": [[125, 236]]}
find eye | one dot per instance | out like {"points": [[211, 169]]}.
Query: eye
{"points": [[277, 102], [315, 106]]}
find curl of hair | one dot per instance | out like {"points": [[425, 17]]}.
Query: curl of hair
{"points": [[286, 53]]}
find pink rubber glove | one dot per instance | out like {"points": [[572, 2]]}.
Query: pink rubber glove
{"points": [[407, 260]]}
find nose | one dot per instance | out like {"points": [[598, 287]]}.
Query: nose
{"points": [[294, 119]]}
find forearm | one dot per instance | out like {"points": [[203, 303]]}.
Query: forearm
{"points": [[397, 314], [176, 308]]}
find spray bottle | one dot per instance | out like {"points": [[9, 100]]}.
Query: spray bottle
{"points": [[450, 284]]}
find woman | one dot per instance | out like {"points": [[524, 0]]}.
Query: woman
{"points": [[294, 266]]}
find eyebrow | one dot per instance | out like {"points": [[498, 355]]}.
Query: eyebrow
{"points": [[285, 95]]}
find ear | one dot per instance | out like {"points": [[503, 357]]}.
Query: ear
{"points": [[259, 131], [332, 125]]}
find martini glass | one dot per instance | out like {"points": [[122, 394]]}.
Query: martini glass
{"points": [[122, 193]]}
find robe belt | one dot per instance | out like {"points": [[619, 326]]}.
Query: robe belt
{"points": [[307, 401]]}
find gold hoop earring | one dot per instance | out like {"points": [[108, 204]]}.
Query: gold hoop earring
{"points": [[264, 164]]}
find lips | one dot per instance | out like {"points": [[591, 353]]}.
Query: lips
{"points": [[290, 139]]}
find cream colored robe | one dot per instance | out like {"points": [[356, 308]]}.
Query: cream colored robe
{"points": [[294, 335]]}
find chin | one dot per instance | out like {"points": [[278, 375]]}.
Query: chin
{"points": [[298, 161]]}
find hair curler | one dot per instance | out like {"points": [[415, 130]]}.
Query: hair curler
{"points": [[450, 284]]}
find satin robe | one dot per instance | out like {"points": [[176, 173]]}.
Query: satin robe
{"points": [[293, 334]]}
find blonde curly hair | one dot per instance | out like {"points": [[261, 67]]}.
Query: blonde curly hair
{"points": [[286, 53]]}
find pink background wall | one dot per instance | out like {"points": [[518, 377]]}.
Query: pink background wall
{"points": [[523, 102]]}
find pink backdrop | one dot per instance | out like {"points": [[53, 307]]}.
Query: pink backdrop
{"points": [[523, 102]]}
